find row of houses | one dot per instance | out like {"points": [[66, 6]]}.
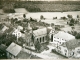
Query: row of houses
{"points": [[69, 47], [14, 51], [64, 42]]}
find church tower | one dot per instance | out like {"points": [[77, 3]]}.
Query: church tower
{"points": [[29, 28]]}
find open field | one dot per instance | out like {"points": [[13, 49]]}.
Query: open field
{"points": [[45, 6]]}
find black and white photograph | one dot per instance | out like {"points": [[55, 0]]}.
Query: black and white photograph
{"points": [[39, 29]]}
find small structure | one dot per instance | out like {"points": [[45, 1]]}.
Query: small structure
{"points": [[20, 28], [3, 28], [61, 37], [15, 51], [70, 48]]}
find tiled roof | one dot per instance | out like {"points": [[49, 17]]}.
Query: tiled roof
{"points": [[23, 55], [64, 35], [14, 49], [49, 29], [72, 44], [1, 26], [40, 32], [9, 30]]}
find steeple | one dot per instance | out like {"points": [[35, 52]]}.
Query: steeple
{"points": [[29, 28]]}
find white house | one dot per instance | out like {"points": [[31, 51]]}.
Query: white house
{"points": [[5, 28], [17, 33], [20, 28], [70, 48], [61, 37]]}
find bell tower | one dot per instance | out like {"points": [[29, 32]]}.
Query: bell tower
{"points": [[29, 28]]}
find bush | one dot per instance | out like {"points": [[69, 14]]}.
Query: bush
{"points": [[77, 36], [35, 28], [33, 9], [8, 10]]}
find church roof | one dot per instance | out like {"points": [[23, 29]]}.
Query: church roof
{"points": [[40, 32]]}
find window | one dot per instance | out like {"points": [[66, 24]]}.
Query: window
{"points": [[37, 39], [59, 48], [65, 50], [40, 39], [60, 42], [43, 39], [78, 51], [52, 38], [58, 38]]}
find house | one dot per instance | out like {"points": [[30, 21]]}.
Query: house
{"points": [[17, 33], [9, 31], [15, 51], [61, 37], [3, 28], [70, 48], [19, 28], [43, 34]]}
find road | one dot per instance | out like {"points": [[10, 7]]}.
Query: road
{"points": [[46, 54]]}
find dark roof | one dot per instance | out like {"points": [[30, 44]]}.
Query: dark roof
{"points": [[9, 30], [1, 26], [72, 44], [3, 47], [23, 55]]}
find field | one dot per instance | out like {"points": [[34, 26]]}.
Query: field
{"points": [[45, 6]]}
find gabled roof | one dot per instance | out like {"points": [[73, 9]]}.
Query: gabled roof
{"points": [[9, 30], [40, 32], [14, 49], [23, 55], [1, 26], [64, 35], [72, 44], [49, 29]]}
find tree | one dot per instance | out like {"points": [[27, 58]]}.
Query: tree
{"points": [[77, 16], [72, 22], [21, 41], [73, 28], [41, 17], [24, 15], [7, 39], [77, 36], [37, 46], [69, 16], [64, 18]]}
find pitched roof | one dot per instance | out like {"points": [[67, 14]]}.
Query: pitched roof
{"points": [[64, 35], [72, 44], [49, 29], [14, 49], [23, 55], [40, 32], [9, 30], [1, 26]]}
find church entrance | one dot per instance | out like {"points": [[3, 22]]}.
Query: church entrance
{"points": [[52, 38]]}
